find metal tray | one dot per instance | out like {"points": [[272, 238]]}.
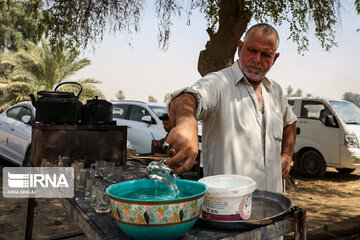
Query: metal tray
{"points": [[267, 208]]}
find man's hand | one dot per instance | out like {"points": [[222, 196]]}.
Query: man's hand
{"points": [[285, 165], [287, 148], [184, 140], [183, 136]]}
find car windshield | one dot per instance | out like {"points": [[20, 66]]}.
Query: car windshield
{"points": [[158, 110], [348, 112]]}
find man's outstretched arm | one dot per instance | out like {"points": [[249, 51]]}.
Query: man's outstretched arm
{"points": [[183, 136]]}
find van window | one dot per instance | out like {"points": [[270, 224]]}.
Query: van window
{"points": [[314, 110], [348, 112]]}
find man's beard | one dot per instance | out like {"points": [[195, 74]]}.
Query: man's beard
{"points": [[251, 74]]}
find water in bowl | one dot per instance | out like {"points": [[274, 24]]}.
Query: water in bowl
{"points": [[159, 171], [153, 194]]}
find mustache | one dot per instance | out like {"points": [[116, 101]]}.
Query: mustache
{"points": [[254, 65]]}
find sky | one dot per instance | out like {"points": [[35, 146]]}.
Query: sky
{"points": [[142, 69]]}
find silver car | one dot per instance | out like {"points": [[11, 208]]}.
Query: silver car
{"points": [[142, 120], [15, 133]]}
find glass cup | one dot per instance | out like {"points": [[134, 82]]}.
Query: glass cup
{"points": [[108, 166], [89, 179], [64, 161], [80, 179], [114, 174], [93, 195], [89, 183], [76, 166], [44, 162], [102, 200], [97, 166]]}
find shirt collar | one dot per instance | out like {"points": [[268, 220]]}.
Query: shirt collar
{"points": [[239, 76]]}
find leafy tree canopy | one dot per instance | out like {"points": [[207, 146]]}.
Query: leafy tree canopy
{"points": [[298, 93], [40, 67], [352, 97], [20, 21], [81, 22], [78, 23]]}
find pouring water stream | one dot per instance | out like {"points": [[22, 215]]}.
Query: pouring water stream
{"points": [[159, 171]]}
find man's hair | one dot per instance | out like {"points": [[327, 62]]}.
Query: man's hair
{"points": [[266, 29]]}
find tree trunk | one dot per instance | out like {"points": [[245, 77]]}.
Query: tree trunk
{"points": [[220, 49]]}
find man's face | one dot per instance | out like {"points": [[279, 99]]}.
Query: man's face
{"points": [[166, 124], [257, 54]]}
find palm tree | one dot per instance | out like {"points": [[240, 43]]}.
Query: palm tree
{"points": [[120, 95], [152, 99], [40, 68], [167, 97]]}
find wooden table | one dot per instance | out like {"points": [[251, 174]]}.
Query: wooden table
{"points": [[91, 142]]}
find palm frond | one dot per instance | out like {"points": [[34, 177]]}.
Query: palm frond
{"points": [[41, 67]]}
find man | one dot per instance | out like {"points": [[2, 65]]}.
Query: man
{"points": [[157, 145], [248, 127], [166, 122]]}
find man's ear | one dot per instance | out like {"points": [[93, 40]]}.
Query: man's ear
{"points": [[275, 57], [240, 45]]}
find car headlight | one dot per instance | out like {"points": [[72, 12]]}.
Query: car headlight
{"points": [[351, 140]]}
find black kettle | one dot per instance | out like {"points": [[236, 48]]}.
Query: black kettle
{"points": [[57, 107], [97, 111]]}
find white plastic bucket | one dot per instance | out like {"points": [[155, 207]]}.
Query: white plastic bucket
{"points": [[229, 197]]}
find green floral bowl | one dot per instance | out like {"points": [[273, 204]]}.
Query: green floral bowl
{"points": [[145, 209]]}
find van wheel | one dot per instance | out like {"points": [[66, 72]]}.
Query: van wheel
{"points": [[313, 164], [345, 170]]}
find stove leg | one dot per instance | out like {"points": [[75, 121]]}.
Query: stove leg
{"points": [[29, 220]]}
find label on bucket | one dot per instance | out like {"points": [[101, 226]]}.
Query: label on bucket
{"points": [[228, 209], [245, 207]]}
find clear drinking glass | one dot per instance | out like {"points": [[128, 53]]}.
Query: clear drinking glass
{"points": [[80, 179], [89, 179], [108, 166], [89, 183], [102, 200], [64, 161], [97, 166], [44, 162], [114, 174], [93, 195], [159, 171]]}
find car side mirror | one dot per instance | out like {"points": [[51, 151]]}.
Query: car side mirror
{"points": [[26, 119], [146, 119], [330, 121]]}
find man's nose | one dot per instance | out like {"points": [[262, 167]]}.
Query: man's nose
{"points": [[257, 58]]}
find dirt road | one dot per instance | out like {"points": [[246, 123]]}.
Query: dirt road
{"points": [[332, 206]]}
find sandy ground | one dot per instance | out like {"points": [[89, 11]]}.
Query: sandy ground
{"points": [[332, 206]]}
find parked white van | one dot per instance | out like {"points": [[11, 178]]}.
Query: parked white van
{"points": [[328, 133]]}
